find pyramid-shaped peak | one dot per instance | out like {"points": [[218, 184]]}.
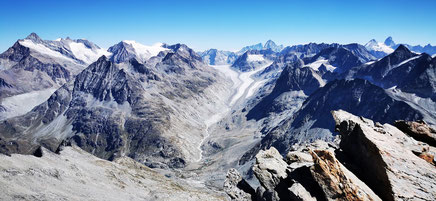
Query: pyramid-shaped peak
{"points": [[402, 48], [34, 37]]}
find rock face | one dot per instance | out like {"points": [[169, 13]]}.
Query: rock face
{"points": [[369, 161], [293, 78]]}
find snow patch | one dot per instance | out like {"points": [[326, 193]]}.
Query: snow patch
{"points": [[315, 65], [255, 58], [407, 60], [23, 103]]}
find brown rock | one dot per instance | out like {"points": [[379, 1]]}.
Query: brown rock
{"points": [[427, 157], [335, 183]]}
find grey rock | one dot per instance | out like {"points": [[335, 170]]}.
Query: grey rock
{"points": [[236, 187], [384, 160]]}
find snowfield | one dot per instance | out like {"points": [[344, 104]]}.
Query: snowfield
{"points": [[79, 50], [85, 54], [40, 48], [146, 52]]}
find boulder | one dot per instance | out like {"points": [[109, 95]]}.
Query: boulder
{"points": [[270, 168]]}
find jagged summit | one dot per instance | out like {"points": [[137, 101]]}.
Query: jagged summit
{"points": [[389, 42]]}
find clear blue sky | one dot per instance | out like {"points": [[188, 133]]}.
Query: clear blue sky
{"points": [[221, 24]]}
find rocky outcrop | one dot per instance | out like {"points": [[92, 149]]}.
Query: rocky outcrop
{"points": [[383, 157], [368, 161], [310, 172], [419, 130], [335, 181]]}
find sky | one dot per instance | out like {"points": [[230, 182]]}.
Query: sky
{"points": [[220, 24]]}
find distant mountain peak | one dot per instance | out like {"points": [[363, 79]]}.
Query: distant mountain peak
{"points": [[270, 42], [389, 42], [34, 37], [273, 46]]}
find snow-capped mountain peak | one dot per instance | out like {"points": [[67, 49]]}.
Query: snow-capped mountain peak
{"points": [[128, 49], [373, 45], [273, 46], [79, 51]]}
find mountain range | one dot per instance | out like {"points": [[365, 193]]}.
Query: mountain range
{"points": [[191, 116]]}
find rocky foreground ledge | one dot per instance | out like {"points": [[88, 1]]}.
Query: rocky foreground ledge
{"points": [[369, 161]]}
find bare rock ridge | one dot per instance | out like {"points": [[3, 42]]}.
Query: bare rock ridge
{"points": [[368, 161]]}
